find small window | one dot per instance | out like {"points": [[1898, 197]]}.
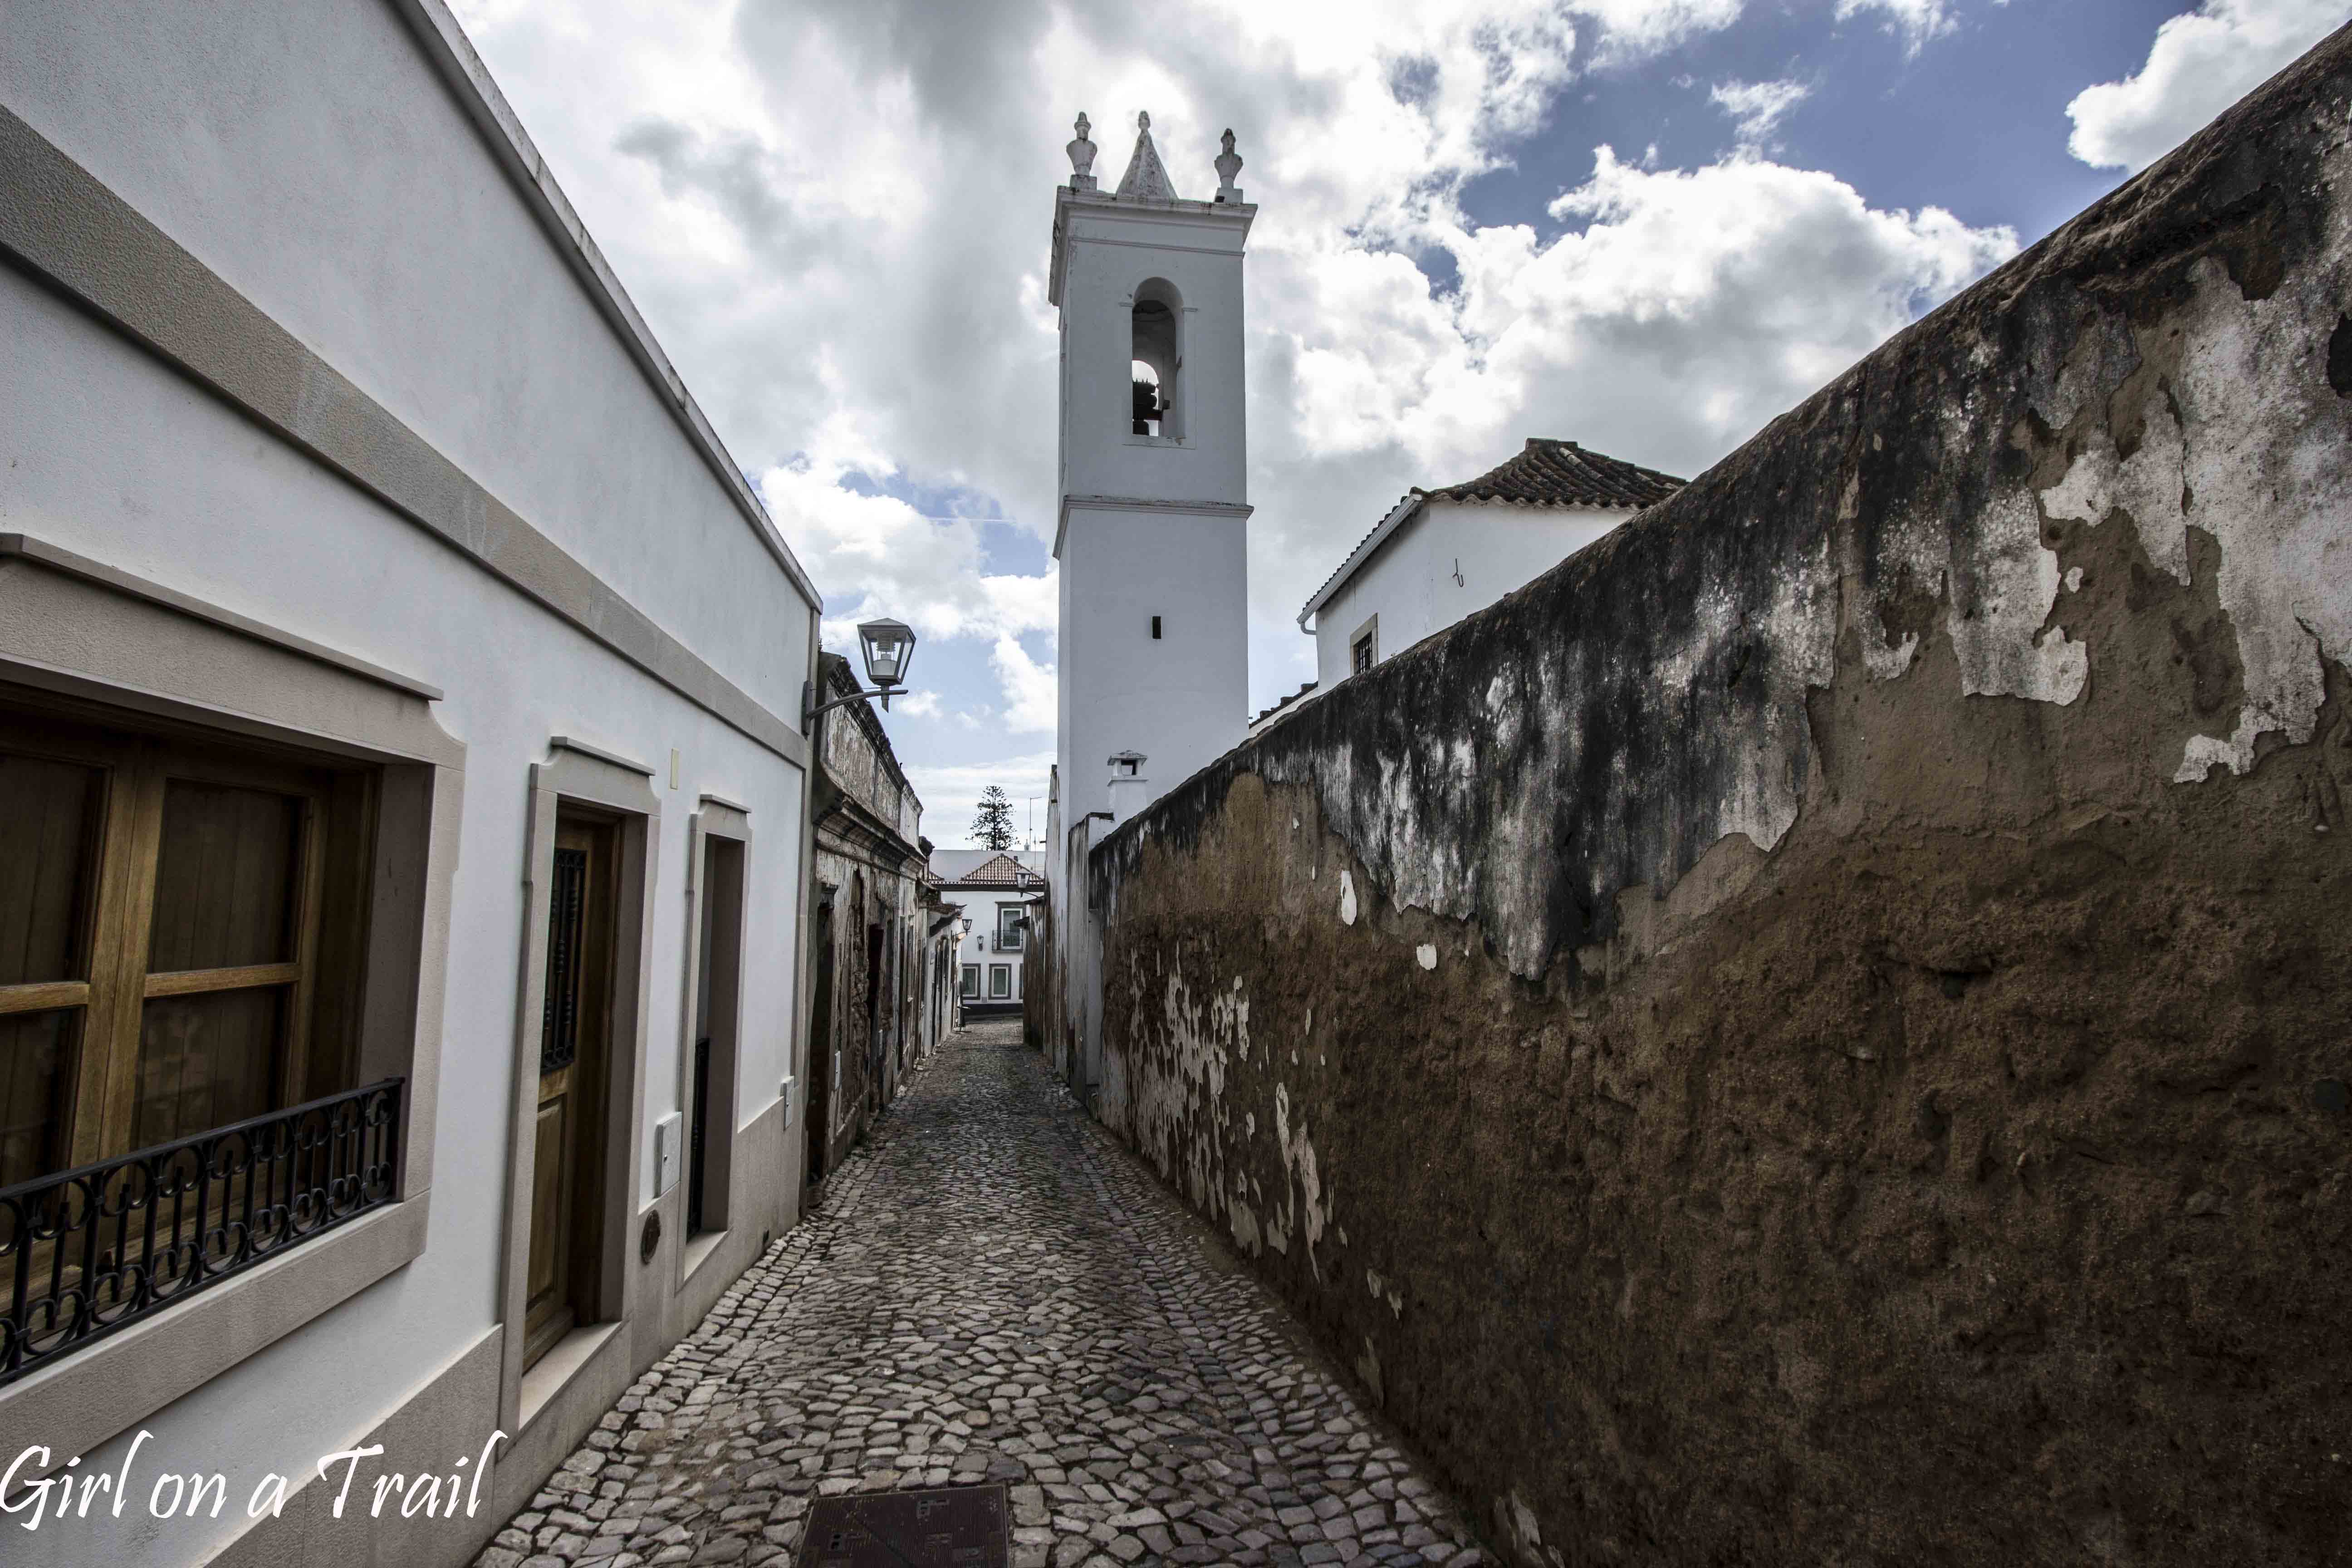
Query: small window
{"points": [[971, 979], [1008, 928], [1155, 628], [1360, 659], [999, 980], [1364, 647]]}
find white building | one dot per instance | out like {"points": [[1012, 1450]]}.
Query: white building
{"points": [[1440, 555], [1154, 649], [993, 887], [1153, 655], [399, 696]]}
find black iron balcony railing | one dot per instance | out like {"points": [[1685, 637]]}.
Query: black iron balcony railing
{"points": [[88, 1251]]}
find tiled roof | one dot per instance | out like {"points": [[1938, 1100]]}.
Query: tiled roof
{"points": [[1288, 698], [1003, 872], [953, 867], [1561, 473], [1543, 473]]}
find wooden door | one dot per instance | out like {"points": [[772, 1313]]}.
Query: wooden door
{"points": [[877, 1011], [567, 1176]]}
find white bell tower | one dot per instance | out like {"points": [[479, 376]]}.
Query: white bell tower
{"points": [[1154, 649]]}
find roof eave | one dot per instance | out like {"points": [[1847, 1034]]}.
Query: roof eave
{"points": [[1399, 515]]}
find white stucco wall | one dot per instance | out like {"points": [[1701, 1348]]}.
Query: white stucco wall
{"points": [[1182, 700], [309, 153], [981, 906], [1409, 581], [1113, 248]]}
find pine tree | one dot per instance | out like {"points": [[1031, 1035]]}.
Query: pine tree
{"points": [[994, 825]]}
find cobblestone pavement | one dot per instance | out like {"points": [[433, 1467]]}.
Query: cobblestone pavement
{"points": [[993, 1290]]}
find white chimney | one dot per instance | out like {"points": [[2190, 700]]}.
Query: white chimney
{"points": [[1130, 790]]}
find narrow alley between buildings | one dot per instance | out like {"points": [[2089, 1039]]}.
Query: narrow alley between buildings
{"points": [[992, 1291]]}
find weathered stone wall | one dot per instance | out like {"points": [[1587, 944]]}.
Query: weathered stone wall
{"points": [[1817, 1031]]}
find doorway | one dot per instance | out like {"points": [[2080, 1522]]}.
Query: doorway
{"points": [[877, 1015], [820, 1088], [567, 1187], [717, 996]]}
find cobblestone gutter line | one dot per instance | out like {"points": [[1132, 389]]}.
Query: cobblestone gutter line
{"points": [[991, 1292]]}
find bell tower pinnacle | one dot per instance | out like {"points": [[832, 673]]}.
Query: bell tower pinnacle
{"points": [[1154, 649]]}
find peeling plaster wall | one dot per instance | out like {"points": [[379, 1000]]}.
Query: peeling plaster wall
{"points": [[1818, 1030]]}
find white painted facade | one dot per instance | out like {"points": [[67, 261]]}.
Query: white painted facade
{"points": [[1432, 561], [988, 953], [558, 546], [1152, 529], [1153, 655]]}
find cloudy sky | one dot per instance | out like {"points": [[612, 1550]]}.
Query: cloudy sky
{"points": [[1648, 226]]}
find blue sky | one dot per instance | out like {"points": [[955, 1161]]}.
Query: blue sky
{"points": [[836, 215], [1974, 121]]}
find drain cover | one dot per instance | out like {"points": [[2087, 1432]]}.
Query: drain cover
{"points": [[950, 1527]]}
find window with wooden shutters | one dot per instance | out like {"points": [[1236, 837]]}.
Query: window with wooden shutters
{"points": [[181, 926]]}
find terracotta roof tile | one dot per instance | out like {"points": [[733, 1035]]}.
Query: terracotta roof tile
{"points": [[1003, 871], [1543, 473], [1561, 473]]}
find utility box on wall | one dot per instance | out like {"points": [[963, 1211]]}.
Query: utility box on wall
{"points": [[665, 1144]]}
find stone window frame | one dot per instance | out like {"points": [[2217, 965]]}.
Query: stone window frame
{"points": [[997, 971], [581, 773], [77, 628]]}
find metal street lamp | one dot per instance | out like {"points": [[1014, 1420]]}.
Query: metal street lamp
{"points": [[888, 647]]}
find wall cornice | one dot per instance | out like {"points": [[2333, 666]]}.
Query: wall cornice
{"points": [[61, 226], [444, 44]]}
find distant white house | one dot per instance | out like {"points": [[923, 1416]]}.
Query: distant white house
{"points": [[992, 886], [1440, 555]]}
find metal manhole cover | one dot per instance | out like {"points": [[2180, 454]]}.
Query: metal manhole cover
{"points": [[947, 1526]]}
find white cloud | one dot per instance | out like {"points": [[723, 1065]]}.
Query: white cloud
{"points": [[919, 705], [1632, 28], [1688, 307], [1914, 21], [1757, 108], [2202, 62], [875, 554], [836, 217], [950, 795], [1029, 687]]}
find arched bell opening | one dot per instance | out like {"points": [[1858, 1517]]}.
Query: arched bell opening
{"points": [[1158, 361]]}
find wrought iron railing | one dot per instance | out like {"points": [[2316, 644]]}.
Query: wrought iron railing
{"points": [[88, 1251]]}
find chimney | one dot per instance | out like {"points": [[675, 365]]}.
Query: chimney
{"points": [[1129, 787]]}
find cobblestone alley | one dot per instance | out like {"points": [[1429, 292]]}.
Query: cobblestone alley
{"points": [[993, 1290]]}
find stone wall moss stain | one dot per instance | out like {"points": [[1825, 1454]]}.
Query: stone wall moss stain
{"points": [[1851, 1120]]}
